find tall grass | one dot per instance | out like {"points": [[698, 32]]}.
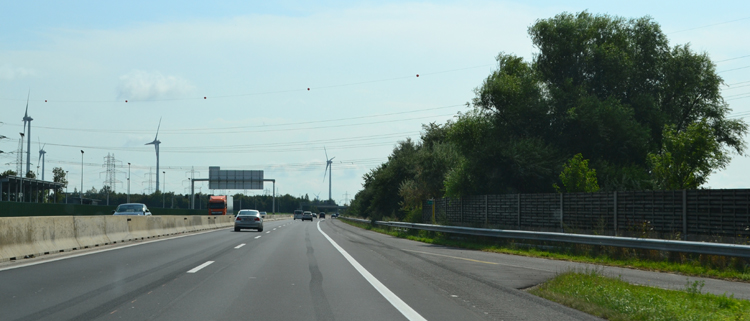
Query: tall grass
{"points": [[614, 299]]}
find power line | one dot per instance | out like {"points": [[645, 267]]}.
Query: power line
{"points": [[711, 25], [225, 129], [745, 67], [735, 58], [737, 87], [738, 83]]}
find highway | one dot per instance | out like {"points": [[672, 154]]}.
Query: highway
{"points": [[322, 270], [290, 271]]}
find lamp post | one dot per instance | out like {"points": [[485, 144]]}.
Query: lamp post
{"points": [[128, 201], [81, 192], [164, 188], [66, 188]]}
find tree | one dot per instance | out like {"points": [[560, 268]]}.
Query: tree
{"points": [[613, 84], [576, 177], [8, 173], [687, 158], [30, 174], [59, 176]]}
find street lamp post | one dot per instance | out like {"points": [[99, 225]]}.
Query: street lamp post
{"points": [[128, 201], [81, 192], [66, 188], [164, 188]]}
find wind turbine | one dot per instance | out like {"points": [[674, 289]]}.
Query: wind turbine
{"points": [[42, 152], [156, 143], [328, 170], [27, 119]]}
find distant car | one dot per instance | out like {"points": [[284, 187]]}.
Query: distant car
{"points": [[263, 214], [297, 214], [315, 215], [248, 219], [334, 215], [132, 209], [307, 215], [322, 215]]}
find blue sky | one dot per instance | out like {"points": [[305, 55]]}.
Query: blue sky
{"points": [[254, 62]]}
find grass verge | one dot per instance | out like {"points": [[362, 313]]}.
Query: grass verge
{"points": [[718, 267], [614, 299]]}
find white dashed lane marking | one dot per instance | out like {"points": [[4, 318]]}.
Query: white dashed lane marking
{"points": [[239, 246], [257, 237], [268, 232], [199, 267]]}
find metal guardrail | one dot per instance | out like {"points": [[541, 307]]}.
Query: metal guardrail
{"points": [[627, 242]]}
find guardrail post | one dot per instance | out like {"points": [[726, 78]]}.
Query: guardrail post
{"points": [[684, 214], [518, 208], [485, 211], [562, 228], [461, 212], [615, 209]]}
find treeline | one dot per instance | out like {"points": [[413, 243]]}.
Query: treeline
{"points": [[606, 103], [284, 203]]}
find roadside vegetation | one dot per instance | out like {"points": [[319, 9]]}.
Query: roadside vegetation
{"points": [[713, 266], [605, 104], [614, 299]]}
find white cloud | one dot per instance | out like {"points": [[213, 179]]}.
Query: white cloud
{"points": [[143, 85], [10, 72]]}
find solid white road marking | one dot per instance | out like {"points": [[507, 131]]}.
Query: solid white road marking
{"points": [[239, 246], [257, 237], [199, 267], [397, 303]]}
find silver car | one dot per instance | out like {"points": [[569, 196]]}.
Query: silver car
{"points": [[248, 219], [132, 209]]}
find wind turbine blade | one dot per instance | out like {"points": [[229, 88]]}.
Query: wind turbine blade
{"points": [[324, 149], [157, 130], [26, 114], [325, 172], [332, 158]]}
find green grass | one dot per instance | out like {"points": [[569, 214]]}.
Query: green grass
{"points": [[614, 299], [718, 267]]}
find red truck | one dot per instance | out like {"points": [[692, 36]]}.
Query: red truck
{"points": [[221, 205]]}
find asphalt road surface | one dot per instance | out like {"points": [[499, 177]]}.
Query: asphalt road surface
{"points": [[293, 270], [321, 270]]}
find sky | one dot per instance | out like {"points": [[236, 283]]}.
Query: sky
{"points": [[275, 86]]}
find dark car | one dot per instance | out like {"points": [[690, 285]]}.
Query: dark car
{"points": [[322, 215], [132, 209]]}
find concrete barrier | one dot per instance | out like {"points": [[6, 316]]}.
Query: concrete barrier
{"points": [[22, 237], [139, 227], [117, 229], [15, 238], [54, 234], [91, 231]]}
